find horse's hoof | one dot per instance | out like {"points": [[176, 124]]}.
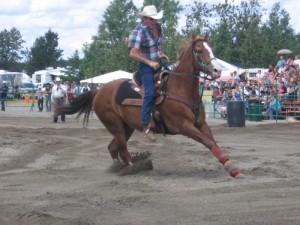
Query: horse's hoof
{"points": [[137, 167], [235, 173], [240, 176]]}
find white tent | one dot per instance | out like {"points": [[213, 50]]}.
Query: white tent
{"points": [[228, 68], [105, 78]]}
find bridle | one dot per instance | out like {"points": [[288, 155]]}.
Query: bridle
{"points": [[203, 65]]}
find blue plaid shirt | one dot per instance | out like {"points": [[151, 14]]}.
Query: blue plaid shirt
{"points": [[142, 39]]}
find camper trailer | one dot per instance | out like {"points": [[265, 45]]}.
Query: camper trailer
{"points": [[14, 78], [41, 77]]}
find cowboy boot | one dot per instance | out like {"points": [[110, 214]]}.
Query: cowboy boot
{"points": [[149, 134], [149, 130]]}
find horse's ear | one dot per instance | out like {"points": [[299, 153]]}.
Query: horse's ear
{"points": [[194, 36], [206, 35]]}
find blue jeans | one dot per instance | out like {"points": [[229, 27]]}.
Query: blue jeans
{"points": [[48, 102], [3, 104], [271, 111], [147, 74]]}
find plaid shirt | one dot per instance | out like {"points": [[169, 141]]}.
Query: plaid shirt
{"points": [[142, 39]]}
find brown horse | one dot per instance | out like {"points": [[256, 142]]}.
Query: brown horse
{"points": [[181, 109]]}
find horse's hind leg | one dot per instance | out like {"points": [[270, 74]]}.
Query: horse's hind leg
{"points": [[118, 147]]}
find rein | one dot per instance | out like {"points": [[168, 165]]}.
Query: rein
{"points": [[196, 107]]}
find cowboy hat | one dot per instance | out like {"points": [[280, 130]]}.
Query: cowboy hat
{"points": [[57, 79], [150, 11]]}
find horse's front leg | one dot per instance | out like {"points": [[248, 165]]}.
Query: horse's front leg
{"points": [[204, 135]]}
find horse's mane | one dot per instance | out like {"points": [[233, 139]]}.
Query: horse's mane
{"points": [[185, 45], [191, 41]]}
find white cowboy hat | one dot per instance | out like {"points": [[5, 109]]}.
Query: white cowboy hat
{"points": [[57, 79], [4, 82], [150, 11]]}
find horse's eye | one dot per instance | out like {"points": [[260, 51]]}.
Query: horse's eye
{"points": [[199, 51]]}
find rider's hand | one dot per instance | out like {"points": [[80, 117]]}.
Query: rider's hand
{"points": [[154, 65]]}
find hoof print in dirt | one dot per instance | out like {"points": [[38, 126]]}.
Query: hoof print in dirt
{"points": [[140, 156], [137, 167]]}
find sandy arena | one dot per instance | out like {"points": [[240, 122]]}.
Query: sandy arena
{"points": [[59, 174]]}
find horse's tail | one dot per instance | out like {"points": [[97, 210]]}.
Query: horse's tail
{"points": [[82, 104]]}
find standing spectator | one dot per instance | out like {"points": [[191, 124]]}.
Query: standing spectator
{"points": [[70, 94], [3, 94], [281, 63], [77, 90], [32, 103], [57, 96], [85, 88], [40, 98], [48, 97]]}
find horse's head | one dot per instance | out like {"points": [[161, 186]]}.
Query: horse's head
{"points": [[198, 57], [204, 59]]}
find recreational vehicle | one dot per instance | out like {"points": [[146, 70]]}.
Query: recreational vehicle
{"points": [[41, 77]]}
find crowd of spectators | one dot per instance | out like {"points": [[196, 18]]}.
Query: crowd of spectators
{"points": [[281, 81]]}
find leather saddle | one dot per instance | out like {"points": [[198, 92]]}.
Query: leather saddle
{"points": [[131, 92]]}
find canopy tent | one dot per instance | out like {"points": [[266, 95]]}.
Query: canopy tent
{"points": [[228, 68], [105, 78]]}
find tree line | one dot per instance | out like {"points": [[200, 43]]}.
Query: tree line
{"points": [[243, 34]]}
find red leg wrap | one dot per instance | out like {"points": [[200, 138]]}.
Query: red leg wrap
{"points": [[219, 154]]}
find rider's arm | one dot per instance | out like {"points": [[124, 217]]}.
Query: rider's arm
{"points": [[134, 53]]}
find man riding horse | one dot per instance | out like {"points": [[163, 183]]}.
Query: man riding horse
{"points": [[146, 47]]}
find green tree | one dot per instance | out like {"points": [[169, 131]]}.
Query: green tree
{"points": [[279, 32], [238, 33], [247, 34], [108, 50], [74, 71], [11, 49], [44, 53]]}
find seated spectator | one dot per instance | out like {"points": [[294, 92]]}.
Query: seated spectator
{"points": [[247, 91], [298, 91], [273, 107], [271, 68], [289, 63], [236, 93], [266, 80], [259, 77], [257, 90], [236, 78], [291, 93], [297, 61]]}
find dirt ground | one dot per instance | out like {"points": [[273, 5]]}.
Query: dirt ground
{"points": [[60, 174]]}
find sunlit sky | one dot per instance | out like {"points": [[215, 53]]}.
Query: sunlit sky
{"points": [[76, 21]]}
